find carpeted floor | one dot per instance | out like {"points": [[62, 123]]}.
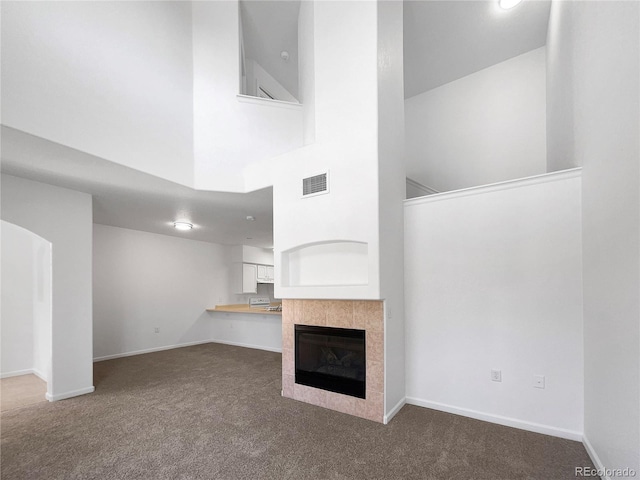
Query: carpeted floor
{"points": [[215, 412], [17, 392]]}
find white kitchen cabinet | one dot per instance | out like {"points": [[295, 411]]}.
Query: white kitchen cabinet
{"points": [[270, 274], [245, 278], [265, 273], [262, 274], [255, 255]]}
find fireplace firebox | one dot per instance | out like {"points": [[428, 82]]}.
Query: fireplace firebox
{"points": [[332, 359]]}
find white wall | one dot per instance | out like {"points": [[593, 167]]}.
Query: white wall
{"points": [[256, 75], [26, 303], [143, 281], [415, 189], [493, 281], [560, 86], [150, 85], [251, 330], [484, 128], [113, 79], [306, 71], [392, 190], [230, 134], [600, 42], [18, 268], [345, 85], [64, 218], [43, 312]]}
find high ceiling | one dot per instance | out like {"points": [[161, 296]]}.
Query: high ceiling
{"points": [[444, 41], [127, 198], [447, 40]]}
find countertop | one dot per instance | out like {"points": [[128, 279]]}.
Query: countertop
{"points": [[244, 308]]}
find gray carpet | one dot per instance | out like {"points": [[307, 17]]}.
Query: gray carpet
{"points": [[215, 412]]}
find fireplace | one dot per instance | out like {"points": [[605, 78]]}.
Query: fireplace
{"points": [[363, 316], [332, 359]]}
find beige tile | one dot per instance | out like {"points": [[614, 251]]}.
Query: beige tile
{"points": [[288, 332], [368, 314], [375, 316], [310, 395], [359, 314], [288, 362], [360, 407], [314, 312], [345, 404], [375, 398], [300, 392], [288, 310], [297, 311], [374, 409], [339, 313], [288, 381], [332, 400], [374, 346], [375, 376]]}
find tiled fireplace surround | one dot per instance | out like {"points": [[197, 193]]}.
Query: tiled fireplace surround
{"points": [[358, 314]]}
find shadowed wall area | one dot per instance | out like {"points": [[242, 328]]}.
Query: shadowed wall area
{"points": [[215, 412]]}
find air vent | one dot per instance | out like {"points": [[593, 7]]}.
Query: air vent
{"points": [[315, 185]]}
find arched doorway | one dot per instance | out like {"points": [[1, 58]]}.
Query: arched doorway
{"points": [[26, 289]]}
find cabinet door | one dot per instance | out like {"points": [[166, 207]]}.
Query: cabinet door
{"points": [[262, 273], [249, 278], [270, 274]]}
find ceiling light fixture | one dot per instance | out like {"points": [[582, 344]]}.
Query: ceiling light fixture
{"points": [[284, 55], [183, 225], [507, 4], [250, 218]]}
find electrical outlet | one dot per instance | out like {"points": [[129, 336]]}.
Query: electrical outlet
{"points": [[156, 330], [496, 375], [538, 381]]}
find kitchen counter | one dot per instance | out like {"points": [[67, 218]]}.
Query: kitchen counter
{"points": [[244, 308]]}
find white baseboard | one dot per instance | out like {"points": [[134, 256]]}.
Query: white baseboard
{"points": [[29, 371], [499, 419], [39, 374], [248, 345], [392, 413], [17, 373], [594, 457], [149, 350], [74, 393]]}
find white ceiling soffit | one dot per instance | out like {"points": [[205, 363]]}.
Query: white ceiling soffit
{"points": [[448, 40], [127, 198], [270, 27]]}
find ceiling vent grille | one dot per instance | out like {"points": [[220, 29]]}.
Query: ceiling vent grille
{"points": [[316, 185]]}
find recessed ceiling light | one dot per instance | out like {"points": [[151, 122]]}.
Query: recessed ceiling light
{"points": [[251, 218], [507, 4], [284, 55], [183, 225]]}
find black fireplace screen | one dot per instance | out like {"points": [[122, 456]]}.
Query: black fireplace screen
{"points": [[331, 359]]}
